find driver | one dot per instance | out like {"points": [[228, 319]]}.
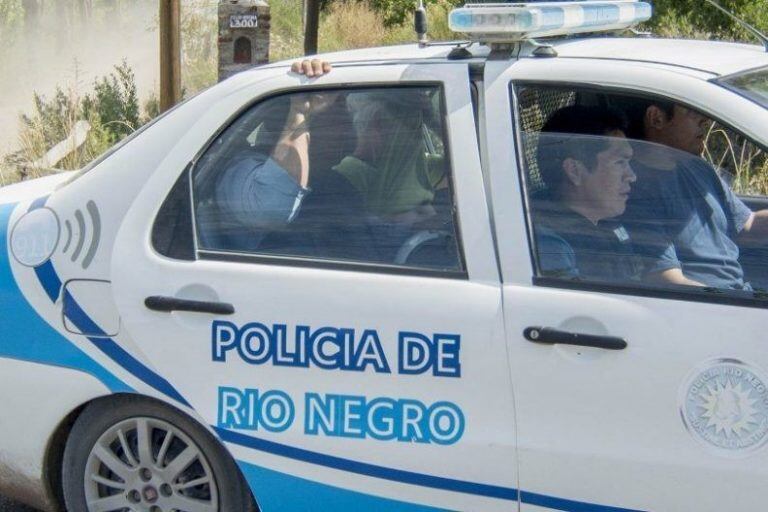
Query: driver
{"points": [[682, 215]]}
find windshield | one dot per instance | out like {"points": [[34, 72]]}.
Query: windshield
{"points": [[752, 84]]}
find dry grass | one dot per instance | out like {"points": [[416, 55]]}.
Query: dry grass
{"points": [[35, 139], [346, 26], [351, 25], [8, 174], [746, 163]]}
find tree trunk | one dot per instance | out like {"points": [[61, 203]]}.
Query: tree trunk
{"points": [[170, 53], [312, 27]]}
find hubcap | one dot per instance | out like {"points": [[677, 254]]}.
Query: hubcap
{"points": [[148, 465], [150, 494]]}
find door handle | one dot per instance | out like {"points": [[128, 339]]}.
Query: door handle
{"points": [[169, 304], [547, 335]]}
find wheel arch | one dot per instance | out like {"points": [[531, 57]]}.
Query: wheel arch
{"points": [[54, 452], [54, 455]]}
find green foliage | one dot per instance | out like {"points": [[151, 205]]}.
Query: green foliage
{"points": [[397, 12], [112, 110], [51, 122], [151, 107], [114, 104], [52, 118], [697, 18], [287, 37], [198, 44], [347, 24]]}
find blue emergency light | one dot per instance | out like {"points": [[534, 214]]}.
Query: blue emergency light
{"points": [[514, 21]]}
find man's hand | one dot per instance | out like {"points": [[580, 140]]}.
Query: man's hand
{"points": [[311, 68]]}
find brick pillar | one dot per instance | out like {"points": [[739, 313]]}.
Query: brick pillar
{"points": [[243, 35]]}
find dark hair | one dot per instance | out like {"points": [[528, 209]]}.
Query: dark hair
{"points": [[575, 120], [635, 110]]}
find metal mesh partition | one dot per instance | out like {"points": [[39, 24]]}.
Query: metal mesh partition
{"points": [[535, 106]]}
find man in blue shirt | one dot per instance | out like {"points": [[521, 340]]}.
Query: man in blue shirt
{"points": [[583, 159], [683, 217]]}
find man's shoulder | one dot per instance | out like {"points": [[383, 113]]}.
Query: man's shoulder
{"points": [[549, 237], [556, 256]]}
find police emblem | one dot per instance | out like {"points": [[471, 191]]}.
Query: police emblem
{"points": [[725, 406]]}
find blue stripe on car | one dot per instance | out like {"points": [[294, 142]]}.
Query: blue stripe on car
{"points": [[275, 490], [553, 503], [282, 492], [107, 345], [47, 276], [286, 493], [363, 468], [40, 343], [51, 283], [409, 477]]}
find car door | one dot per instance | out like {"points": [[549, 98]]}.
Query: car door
{"points": [[653, 425], [337, 381]]}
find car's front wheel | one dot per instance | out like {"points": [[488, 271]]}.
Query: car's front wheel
{"points": [[129, 453]]}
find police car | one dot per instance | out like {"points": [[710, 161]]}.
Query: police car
{"points": [[332, 293]]}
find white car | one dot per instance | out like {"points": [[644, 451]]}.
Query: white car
{"points": [[340, 293]]}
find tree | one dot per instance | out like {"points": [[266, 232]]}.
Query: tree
{"points": [[689, 17]]}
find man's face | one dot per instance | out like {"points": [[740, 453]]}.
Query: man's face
{"points": [[685, 130], [606, 187]]}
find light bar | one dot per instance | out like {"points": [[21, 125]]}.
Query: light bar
{"points": [[518, 21]]}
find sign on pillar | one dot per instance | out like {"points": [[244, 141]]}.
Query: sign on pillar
{"points": [[243, 35]]}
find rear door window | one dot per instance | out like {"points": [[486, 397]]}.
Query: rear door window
{"points": [[357, 175]]}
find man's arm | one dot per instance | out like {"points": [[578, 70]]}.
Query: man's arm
{"points": [[662, 266], [671, 276], [755, 230], [292, 149]]}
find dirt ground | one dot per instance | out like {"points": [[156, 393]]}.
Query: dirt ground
{"points": [[7, 505]]}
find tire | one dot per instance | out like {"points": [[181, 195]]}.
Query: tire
{"points": [[110, 466]]}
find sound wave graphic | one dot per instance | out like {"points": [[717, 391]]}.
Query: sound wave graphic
{"points": [[79, 236]]}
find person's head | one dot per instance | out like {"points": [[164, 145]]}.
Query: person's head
{"points": [[386, 122], [584, 159], [667, 123]]}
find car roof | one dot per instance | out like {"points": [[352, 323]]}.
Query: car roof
{"points": [[713, 57]]}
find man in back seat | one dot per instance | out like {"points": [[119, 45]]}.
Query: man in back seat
{"points": [[284, 200]]}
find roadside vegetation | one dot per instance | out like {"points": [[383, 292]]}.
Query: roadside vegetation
{"points": [[113, 109]]}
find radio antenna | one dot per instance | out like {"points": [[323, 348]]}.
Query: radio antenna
{"points": [[754, 31]]}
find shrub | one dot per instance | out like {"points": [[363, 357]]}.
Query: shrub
{"points": [[114, 104], [112, 109], [695, 18]]}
